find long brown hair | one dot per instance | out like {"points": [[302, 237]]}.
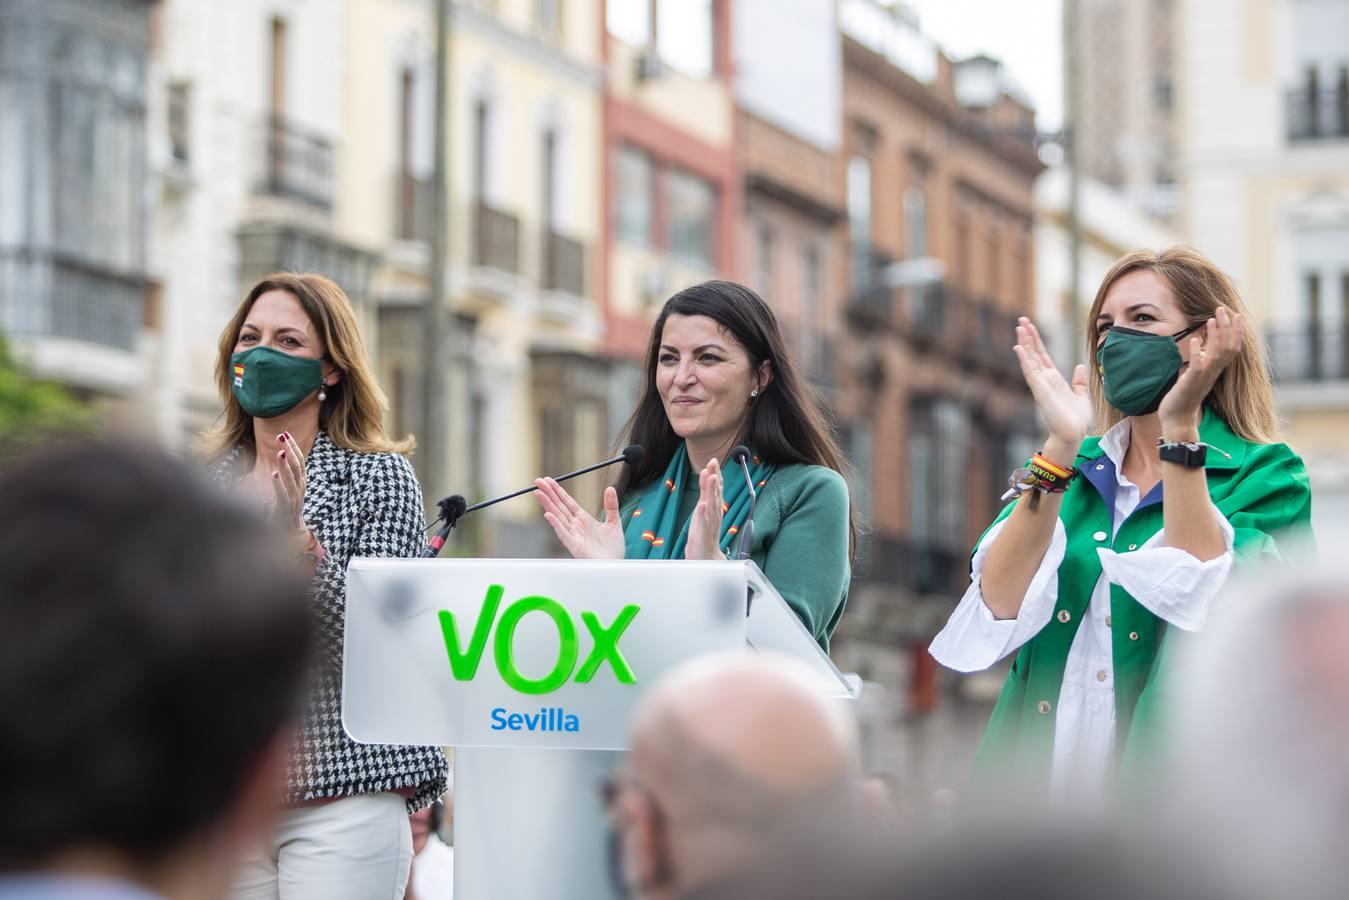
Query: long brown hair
{"points": [[353, 413], [785, 424], [1242, 397]]}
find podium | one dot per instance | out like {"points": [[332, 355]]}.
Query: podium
{"points": [[530, 670]]}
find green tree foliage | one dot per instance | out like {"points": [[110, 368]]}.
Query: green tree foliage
{"points": [[30, 409]]}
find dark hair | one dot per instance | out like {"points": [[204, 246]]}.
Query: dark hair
{"points": [[153, 645], [785, 423]]}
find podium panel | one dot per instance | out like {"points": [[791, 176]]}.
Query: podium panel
{"points": [[531, 670]]}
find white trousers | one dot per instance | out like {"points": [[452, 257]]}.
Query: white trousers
{"points": [[356, 848]]}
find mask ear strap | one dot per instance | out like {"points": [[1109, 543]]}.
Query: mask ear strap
{"points": [[1188, 331]]}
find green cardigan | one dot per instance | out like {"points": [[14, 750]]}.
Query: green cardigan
{"points": [[800, 540], [1262, 490]]}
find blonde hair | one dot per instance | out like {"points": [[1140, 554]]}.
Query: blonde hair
{"points": [[353, 413], [1242, 397]]}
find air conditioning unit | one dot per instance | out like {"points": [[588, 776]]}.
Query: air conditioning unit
{"points": [[649, 65]]}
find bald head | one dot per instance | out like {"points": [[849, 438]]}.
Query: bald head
{"points": [[763, 721]]}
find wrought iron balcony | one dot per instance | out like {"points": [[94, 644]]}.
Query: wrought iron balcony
{"points": [[297, 164], [50, 296], [1310, 352], [496, 239], [563, 263], [1318, 114], [921, 568]]}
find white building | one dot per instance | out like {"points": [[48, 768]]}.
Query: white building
{"points": [[1111, 225], [1264, 135]]}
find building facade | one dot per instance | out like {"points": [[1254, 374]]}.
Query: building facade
{"points": [[1264, 119], [939, 164], [77, 299], [1126, 123]]}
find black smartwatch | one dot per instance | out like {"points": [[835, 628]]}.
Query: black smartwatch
{"points": [[1190, 455]]}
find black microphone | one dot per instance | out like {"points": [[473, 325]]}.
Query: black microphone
{"points": [[632, 455], [451, 508], [745, 541]]}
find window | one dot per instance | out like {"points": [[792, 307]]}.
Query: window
{"points": [[634, 183], [179, 97], [859, 220], [548, 16], [629, 21], [764, 260], [938, 446], [684, 35], [692, 208], [550, 180], [811, 339], [278, 77], [915, 223]]}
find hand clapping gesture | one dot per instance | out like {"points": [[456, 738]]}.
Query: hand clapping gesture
{"points": [[1065, 406], [579, 531], [1182, 405], [705, 524]]}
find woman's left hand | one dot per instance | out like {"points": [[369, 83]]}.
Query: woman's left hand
{"points": [[1180, 409], [705, 525], [289, 483]]}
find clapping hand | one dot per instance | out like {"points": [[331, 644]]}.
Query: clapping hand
{"points": [[581, 533], [705, 525], [1065, 406], [1181, 406]]}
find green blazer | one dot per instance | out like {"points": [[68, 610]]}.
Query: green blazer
{"points": [[1262, 490], [800, 540]]}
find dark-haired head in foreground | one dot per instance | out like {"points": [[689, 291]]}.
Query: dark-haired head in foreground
{"points": [[153, 640]]}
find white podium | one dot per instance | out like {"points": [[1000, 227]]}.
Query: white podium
{"points": [[531, 669]]}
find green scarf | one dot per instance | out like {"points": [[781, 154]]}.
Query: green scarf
{"points": [[653, 533]]}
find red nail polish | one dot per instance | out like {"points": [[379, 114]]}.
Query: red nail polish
{"points": [[283, 454], [282, 437]]}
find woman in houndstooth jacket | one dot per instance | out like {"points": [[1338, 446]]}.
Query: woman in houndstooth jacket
{"points": [[303, 436]]}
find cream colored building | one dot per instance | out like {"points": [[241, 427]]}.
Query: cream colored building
{"points": [[1264, 130], [1111, 225], [526, 392]]}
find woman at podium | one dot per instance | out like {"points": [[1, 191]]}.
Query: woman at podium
{"points": [[718, 374], [303, 437]]}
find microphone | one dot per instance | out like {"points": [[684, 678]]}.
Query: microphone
{"points": [[455, 504], [451, 508], [745, 541]]}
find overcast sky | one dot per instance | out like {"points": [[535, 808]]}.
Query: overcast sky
{"points": [[1025, 34]]}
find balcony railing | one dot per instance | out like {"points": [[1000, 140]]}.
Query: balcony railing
{"points": [[66, 298], [1309, 353], [297, 164], [921, 568], [496, 239], [413, 207], [1318, 114], [563, 263]]}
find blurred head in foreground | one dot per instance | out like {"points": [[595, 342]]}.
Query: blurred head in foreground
{"points": [[732, 756], [152, 647], [1258, 769]]}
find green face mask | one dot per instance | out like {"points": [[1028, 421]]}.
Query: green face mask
{"points": [[1138, 368], [267, 382]]}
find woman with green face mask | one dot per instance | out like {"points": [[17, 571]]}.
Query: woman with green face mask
{"points": [[303, 438], [1114, 548]]}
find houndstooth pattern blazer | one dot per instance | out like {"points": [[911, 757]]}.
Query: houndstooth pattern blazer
{"points": [[358, 504]]}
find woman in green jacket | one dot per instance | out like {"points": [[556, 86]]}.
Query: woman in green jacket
{"points": [[718, 374], [1116, 546]]}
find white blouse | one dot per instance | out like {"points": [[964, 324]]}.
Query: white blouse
{"points": [[1170, 583]]}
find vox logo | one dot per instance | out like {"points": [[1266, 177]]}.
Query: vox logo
{"points": [[464, 660]]}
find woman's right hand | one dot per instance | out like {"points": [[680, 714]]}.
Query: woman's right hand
{"points": [[1066, 407], [579, 531]]}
